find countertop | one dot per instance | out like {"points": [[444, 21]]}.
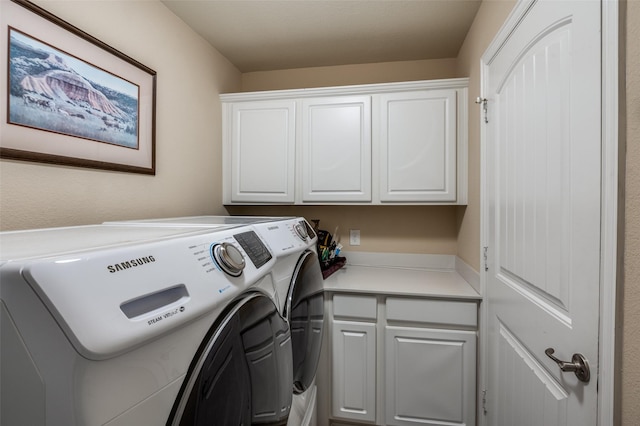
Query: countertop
{"points": [[436, 283]]}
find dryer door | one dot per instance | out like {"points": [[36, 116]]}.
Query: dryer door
{"points": [[242, 373], [305, 312]]}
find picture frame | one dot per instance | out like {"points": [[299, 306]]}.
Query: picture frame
{"points": [[67, 98]]}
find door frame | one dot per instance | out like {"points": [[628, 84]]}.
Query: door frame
{"points": [[611, 230]]}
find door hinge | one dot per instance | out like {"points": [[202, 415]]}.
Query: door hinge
{"points": [[483, 101], [484, 255], [484, 401]]}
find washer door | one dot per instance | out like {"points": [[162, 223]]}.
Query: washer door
{"points": [[242, 373], [305, 312]]}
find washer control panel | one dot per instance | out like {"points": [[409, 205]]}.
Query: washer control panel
{"points": [[254, 247], [286, 236]]}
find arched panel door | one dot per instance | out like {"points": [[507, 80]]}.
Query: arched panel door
{"points": [[305, 312], [242, 373]]}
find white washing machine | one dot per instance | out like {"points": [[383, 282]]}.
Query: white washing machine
{"points": [[299, 293], [120, 325]]}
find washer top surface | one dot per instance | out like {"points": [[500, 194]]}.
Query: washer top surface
{"points": [[33, 243], [218, 222]]}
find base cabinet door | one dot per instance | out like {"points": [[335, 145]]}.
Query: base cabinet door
{"points": [[430, 376], [354, 370]]}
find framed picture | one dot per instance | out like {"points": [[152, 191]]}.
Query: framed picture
{"points": [[68, 98]]}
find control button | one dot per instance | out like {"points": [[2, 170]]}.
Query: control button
{"points": [[228, 258], [301, 231]]}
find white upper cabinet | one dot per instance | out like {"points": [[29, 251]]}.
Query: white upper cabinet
{"points": [[336, 149], [260, 152], [418, 146], [394, 143]]}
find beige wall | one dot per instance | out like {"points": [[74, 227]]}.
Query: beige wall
{"points": [[190, 74], [630, 370], [342, 75], [391, 229]]}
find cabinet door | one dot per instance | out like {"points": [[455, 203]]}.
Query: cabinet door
{"points": [[430, 376], [418, 146], [263, 151], [336, 149], [354, 370]]}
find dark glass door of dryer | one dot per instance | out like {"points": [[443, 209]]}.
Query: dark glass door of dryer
{"points": [[242, 374], [305, 311]]}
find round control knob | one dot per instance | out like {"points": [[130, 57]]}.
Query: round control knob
{"points": [[301, 231], [228, 258]]}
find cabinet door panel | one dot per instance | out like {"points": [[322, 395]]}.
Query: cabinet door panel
{"points": [[418, 146], [354, 370], [336, 149], [263, 152], [430, 376]]}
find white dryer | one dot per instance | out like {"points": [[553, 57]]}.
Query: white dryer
{"points": [[299, 287], [120, 325]]}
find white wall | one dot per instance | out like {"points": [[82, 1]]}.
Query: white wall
{"points": [[190, 75]]}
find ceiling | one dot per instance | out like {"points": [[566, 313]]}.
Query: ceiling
{"points": [[263, 35]]}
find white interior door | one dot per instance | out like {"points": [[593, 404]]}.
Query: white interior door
{"points": [[542, 156]]}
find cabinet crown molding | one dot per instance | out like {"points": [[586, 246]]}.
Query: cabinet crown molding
{"points": [[448, 83]]}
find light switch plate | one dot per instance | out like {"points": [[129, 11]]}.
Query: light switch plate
{"points": [[354, 237]]}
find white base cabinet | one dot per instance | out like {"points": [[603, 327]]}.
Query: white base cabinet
{"points": [[402, 360], [354, 372], [430, 376], [375, 144]]}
